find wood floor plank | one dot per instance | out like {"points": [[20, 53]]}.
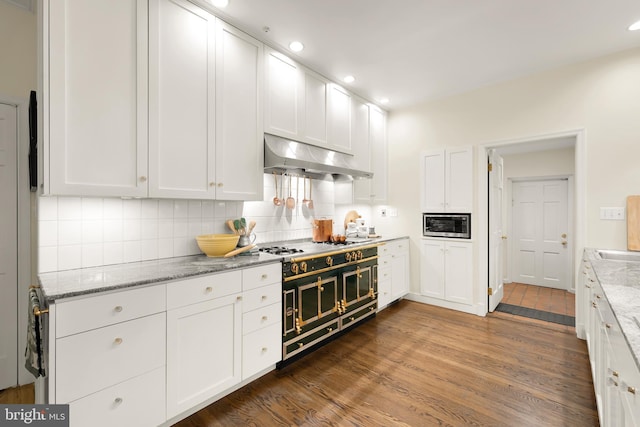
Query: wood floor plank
{"points": [[419, 365]]}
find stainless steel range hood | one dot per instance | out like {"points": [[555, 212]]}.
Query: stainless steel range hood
{"points": [[281, 154]]}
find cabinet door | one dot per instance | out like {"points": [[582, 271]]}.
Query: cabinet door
{"points": [[239, 121], [432, 272], [432, 181], [458, 274], [459, 180], [181, 110], [378, 145], [339, 119], [97, 109], [400, 270], [313, 103], [283, 83], [204, 343]]}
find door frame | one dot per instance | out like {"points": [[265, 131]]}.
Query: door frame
{"points": [[481, 221], [27, 227], [570, 224]]}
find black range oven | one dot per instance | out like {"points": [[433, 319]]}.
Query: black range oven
{"points": [[325, 294]]}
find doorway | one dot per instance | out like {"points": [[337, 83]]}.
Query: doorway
{"points": [[532, 158]]}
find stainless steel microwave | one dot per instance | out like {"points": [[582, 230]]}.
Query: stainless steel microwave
{"points": [[452, 225]]}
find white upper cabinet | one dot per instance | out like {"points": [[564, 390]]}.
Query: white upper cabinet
{"points": [[313, 100], [447, 180], [281, 95], [374, 190], [339, 121], [95, 98], [239, 120], [182, 100], [360, 133]]}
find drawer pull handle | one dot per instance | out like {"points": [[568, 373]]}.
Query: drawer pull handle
{"points": [[238, 298], [118, 341], [300, 344], [330, 329], [615, 374], [208, 289], [631, 390], [598, 296], [118, 400], [264, 276], [264, 318], [117, 308], [264, 349], [264, 297], [608, 326]]}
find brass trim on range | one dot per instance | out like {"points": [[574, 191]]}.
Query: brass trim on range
{"points": [[322, 270], [349, 248]]}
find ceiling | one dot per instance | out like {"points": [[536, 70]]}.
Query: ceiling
{"points": [[411, 51]]}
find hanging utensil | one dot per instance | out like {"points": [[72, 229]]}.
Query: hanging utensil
{"points": [[305, 201], [310, 204], [276, 199], [291, 202]]}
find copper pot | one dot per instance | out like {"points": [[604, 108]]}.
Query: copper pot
{"points": [[322, 230]]}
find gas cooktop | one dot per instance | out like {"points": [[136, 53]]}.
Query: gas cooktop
{"points": [[306, 247]]}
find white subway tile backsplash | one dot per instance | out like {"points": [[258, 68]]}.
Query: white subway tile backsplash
{"points": [[131, 208], [69, 232], [112, 208], [113, 252], [76, 232], [181, 209], [48, 209], [69, 257], [131, 251], [69, 208], [92, 255], [92, 208]]}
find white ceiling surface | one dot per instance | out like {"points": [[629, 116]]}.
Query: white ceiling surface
{"points": [[411, 51]]}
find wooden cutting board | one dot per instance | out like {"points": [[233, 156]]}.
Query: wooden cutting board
{"points": [[633, 223]]}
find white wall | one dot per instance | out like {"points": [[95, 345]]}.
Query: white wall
{"points": [[540, 163], [600, 96], [17, 51]]}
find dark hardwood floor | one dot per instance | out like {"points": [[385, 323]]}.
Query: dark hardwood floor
{"points": [[419, 365]]}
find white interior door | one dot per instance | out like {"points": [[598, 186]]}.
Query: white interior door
{"points": [[496, 241], [540, 222], [8, 247]]}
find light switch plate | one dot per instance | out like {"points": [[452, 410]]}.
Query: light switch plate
{"points": [[613, 213]]}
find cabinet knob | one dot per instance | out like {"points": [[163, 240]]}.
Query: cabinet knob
{"points": [[615, 374], [238, 298], [212, 184], [143, 179], [264, 318], [117, 308], [264, 297], [117, 400], [631, 390], [220, 184], [608, 326], [264, 349], [264, 276], [208, 289], [118, 341]]}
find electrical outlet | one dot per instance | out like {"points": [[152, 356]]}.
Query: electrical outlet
{"points": [[383, 212]]}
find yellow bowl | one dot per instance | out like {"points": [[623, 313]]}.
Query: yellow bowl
{"points": [[217, 245]]}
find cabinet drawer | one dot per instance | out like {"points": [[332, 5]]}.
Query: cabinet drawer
{"points": [[261, 317], [262, 275], [261, 349], [94, 312], [393, 247], [204, 288], [262, 297], [94, 360], [139, 401]]}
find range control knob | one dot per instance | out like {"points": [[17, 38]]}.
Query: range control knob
{"points": [[303, 266], [354, 256], [329, 261], [360, 255], [294, 268], [347, 256]]}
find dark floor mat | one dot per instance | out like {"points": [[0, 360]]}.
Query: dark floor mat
{"points": [[537, 314]]}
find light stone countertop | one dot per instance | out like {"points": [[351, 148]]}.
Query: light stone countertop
{"points": [[620, 281], [85, 281]]}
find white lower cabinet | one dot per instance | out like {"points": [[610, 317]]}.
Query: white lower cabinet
{"points": [[616, 378], [137, 402], [446, 270], [393, 271]]}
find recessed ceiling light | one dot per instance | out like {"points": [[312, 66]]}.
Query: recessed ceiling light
{"points": [[635, 26], [383, 100], [220, 4], [296, 46], [349, 79]]}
